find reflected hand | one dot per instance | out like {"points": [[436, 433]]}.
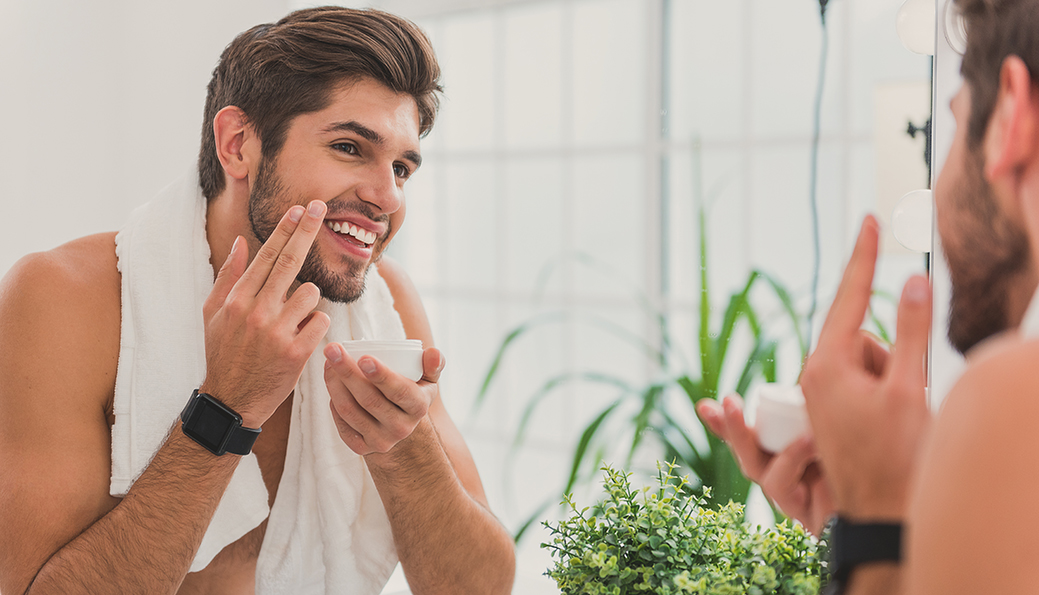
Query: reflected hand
{"points": [[792, 479], [868, 408]]}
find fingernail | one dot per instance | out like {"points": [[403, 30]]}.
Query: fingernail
{"points": [[234, 247], [296, 213], [316, 208], [367, 365], [917, 290], [729, 405], [333, 353]]}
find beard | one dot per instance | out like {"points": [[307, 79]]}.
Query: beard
{"points": [[991, 259], [267, 201]]}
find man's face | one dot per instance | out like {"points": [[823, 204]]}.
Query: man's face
{"points": [[987, 251], [354, 155]]}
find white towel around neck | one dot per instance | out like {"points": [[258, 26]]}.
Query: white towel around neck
{"points": [[328, 532]]}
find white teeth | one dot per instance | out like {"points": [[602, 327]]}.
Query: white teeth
{"points": [[363, 235]]}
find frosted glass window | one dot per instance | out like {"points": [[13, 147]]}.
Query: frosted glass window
{"points": [[533, 76], [781, 235], [466, 53], [708, 86], [610, 74], [610, 224], [600, 349], [785, 64], [471, 227], [543, 349], [536, 222], [722, 194]]}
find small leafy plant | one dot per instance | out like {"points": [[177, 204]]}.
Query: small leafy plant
{"points": [[661, 540]]}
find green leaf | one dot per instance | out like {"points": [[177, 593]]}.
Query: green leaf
{"points": [[586, 438], [788, 305], [554, 383], [650, 398], [510, 338]]}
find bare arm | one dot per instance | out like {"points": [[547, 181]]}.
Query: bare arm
{"points": [[63, 532], [447, 538], [973, 514]]}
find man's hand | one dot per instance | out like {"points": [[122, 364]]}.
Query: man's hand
{"points": [[258, 338], [792, 479], [867, 408], [374, 407]]}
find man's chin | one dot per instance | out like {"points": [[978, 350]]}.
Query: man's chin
{"points": [[342, 288]]}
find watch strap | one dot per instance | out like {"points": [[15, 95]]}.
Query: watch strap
{"points": [[853, 544], [233, 438], [241, 440]]}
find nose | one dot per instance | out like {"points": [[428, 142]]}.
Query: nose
{"points": [[379, 188]]}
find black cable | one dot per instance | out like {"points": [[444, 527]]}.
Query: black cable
{"points": [[813, 186]]}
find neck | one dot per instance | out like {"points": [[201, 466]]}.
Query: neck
{"points": [[227, 217], [1024, 289]]}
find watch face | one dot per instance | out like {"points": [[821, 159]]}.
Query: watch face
{"points": [[210, 425]]}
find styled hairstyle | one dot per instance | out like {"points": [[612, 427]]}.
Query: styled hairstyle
{"points": [[996, 29], [277, 71]]}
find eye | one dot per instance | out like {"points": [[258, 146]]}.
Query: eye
{"points": [[344, 147], [401, 171]]}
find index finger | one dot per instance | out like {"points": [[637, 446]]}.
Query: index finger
{"points": [[282, 255], [852, 300]]}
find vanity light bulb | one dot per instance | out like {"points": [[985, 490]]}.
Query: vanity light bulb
{"points": [[915, 24], [955, 28], [911, 220]]}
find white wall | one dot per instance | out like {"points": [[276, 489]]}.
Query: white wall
{"points": [[101, 106]]}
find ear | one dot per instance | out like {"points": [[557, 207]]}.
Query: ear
{"points": [[1011, 138], [234, 142]]}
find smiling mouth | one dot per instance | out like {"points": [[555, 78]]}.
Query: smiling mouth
{"points": [[360, 236]]}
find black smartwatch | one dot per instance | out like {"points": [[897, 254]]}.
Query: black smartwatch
{"points": [[853, 544], [216, 426]]}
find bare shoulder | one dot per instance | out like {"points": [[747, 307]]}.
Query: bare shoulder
{"points": [[406, 301], [978, 477], [62, 307], [59, 348], [999, 388]]}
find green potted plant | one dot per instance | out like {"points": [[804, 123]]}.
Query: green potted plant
{"points": [[662, 540], [657, 409]]}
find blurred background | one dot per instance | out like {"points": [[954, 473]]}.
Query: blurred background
{"points": [[577, 145]]}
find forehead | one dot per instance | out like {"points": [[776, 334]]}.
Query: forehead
{"points": [[394, 116]]}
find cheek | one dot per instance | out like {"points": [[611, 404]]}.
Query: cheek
{"points": [[945, 187]]}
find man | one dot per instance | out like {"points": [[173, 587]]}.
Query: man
{"points": [[311, 129], [965, 487]]}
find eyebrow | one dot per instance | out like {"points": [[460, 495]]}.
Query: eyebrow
{"points": [[371, 136]]}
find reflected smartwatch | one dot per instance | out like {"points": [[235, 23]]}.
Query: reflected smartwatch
{"points": [[215, 426], [854, 544]]}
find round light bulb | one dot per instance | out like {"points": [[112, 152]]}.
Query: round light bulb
{"points": [[955, 29], [911, 220], [915, 24]]}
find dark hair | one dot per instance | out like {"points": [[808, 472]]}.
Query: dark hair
{"points": [[275, 72], [996, 29]]}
